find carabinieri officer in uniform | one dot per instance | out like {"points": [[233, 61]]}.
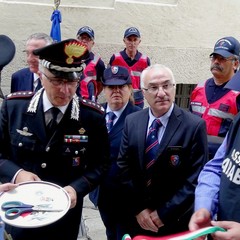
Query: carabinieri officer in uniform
{"points": [[72, 152]]}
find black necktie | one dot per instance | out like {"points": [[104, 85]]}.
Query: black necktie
{"points": [[111, 117], [51, 127], [152, 146], [39, 85]]}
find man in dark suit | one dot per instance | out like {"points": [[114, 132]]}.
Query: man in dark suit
{"points": [[27, 79], [117, 87], [69, 148], [159, 168]]}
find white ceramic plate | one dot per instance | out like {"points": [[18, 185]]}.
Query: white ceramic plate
{"points": [[34, 193]]}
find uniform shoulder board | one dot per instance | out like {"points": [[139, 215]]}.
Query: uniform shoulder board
{"points": [[22, 94], [93, 105]]}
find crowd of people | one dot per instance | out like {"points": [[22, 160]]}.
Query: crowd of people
{"points": [[179, 169]]}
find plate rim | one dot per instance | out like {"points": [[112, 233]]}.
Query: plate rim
{"points": [[6, 221]]}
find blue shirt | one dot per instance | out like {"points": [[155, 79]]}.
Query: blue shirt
{"points": [[207, 190]]}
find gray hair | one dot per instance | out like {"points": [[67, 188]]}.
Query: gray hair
{"points": [[41, 36], [156, 67]]}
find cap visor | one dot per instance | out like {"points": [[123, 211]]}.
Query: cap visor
{"points": [[234, 82], [114, 82], [222, 53], [131, 34], [91, 36], [66, 75]]}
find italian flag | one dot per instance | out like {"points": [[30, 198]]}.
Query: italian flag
{"points": [[179, 236]]}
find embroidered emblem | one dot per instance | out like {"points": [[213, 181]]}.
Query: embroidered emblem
{"points": [[114, 69], [74, 49], [24, 132], [34, 102], [75, 108], [76, 161], [81, 131], [175, 160]]}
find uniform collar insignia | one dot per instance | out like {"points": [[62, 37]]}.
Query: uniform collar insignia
{"points": [[34, 101], [75, 108]]}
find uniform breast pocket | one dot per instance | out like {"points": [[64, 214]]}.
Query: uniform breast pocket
{"points": [[21, 143], [23, 149], [174, 155]]}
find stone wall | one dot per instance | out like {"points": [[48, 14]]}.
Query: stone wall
{"points": [[177, 33]]}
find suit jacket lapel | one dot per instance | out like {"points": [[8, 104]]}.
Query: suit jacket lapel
{"points": [[142, 124], [118, 126], [29, 80], [171, 128]]}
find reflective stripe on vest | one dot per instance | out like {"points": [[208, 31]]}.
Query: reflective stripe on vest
{"points": [[212, 112], [218, 115], [135, 70], [87, 79]]}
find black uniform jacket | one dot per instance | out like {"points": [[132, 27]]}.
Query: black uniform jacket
{"points": [[24, 144]]}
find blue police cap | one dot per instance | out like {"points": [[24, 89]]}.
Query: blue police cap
{"points": [[116, 76], [132, 31], [89, 31], [227, 47]]}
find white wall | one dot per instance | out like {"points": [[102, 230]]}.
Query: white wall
{"points": [[178, 33]]}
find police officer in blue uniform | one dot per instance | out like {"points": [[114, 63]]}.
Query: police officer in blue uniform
{"points": [[119, 104], [73, 152]]}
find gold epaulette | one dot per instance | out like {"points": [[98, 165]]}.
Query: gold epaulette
{"points": [[93, 105], [21, 94]]}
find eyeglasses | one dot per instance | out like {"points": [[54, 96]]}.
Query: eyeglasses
{"points": [[221, 58], [60, 82], [154, 89], [84, 38]]}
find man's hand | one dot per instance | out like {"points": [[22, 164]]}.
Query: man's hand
{"points": [[233, 230], [149, 220], [73, 195], [200, 219], [24, 176], [7, 187]]}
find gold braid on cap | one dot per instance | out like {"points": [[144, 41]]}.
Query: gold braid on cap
{"points": [[49, 65]]}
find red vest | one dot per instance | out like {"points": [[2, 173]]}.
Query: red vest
{"points": [[218, 115], [135, 70], [90, 75]]}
